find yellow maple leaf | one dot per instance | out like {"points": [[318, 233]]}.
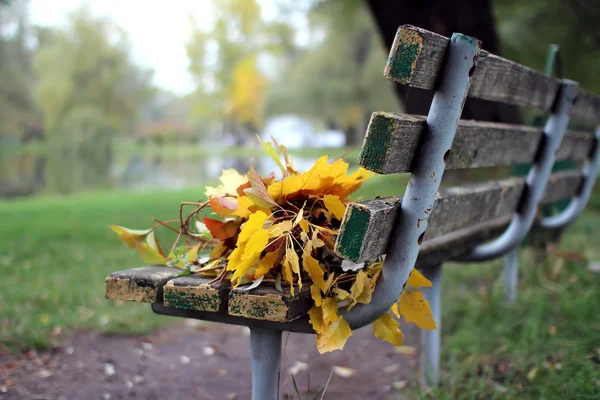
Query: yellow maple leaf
{"points": [[315, 293], [335, 336], [314, 270], [323, 178], [230, 181], [243, 207], [316, 319], [334, 205], [266, 264], [388, 329], [130, 236], [417, 280], [414, 308]]}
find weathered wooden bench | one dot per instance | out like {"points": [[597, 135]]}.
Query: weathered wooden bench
{"points": [[425, 226]]}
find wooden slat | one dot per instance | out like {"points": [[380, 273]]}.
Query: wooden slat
{"points": [[194, 293], [417, 55], [139, 284], [267, 303], [392, 141], [587, 106], [367, 225]]}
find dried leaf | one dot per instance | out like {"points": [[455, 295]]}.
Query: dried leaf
{"points": [[222, 230], [291, 258], [316, 319], [395, 310], [153, 243], [225, 207], [315, 293], [335, 336], [192, 255], [417, 280], [314, 270], [150, 255], [266, 264], [280, 229], [304, 224], [388, 329], [330, 309], [414, 308], [230, 181], [341, 294], [335, 206], [258, 192], [130, 236], [271, 152], [254, 223]]}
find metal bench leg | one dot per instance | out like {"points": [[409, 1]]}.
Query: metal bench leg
{"points": [[265, 353], [511, 275], [430, 359]]}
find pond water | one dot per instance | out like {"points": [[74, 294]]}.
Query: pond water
{"points": [[26, 174]]}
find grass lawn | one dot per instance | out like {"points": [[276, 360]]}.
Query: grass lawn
{"points": [[56, 252]]}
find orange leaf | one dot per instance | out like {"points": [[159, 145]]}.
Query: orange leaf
{"points": [[222, 229], [225, 207]]}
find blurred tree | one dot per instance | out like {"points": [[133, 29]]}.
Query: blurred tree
{"points": [[89, 91], [88, 64], [80, 151], [340, 77], [224, 64], [527, 28], [18, 114]]}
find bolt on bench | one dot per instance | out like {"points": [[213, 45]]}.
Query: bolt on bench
{"points": [[425, 226]]}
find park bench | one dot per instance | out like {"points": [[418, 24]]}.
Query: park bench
{"points": [[426, 226]]}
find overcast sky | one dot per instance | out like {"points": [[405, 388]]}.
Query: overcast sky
{"points": [[157, 30]]}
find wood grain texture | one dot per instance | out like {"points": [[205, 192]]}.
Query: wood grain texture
{"points": [[267, 303], [143, 284], [392, 143], [368, 225], [417, 56], [194, 293], [587, 106]]}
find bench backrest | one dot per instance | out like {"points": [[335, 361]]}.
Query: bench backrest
{"points": [[468, 215]]}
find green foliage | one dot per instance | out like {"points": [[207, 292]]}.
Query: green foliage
{"points": [[527, 28], [88, 64], [80, 151], [17, 109], [340, 78]]}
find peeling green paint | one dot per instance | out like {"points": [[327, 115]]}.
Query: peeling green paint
{"points": [[403, 56], [351, 238], [374, 153], [193, 301]]}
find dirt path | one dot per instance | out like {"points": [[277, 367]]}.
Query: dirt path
{"points": [[188, 362]]}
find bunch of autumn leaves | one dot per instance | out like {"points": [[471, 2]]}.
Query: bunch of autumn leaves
{"points": [[282, 232]]}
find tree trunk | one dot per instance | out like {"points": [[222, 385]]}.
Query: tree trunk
{"points": [[470, 17]]}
